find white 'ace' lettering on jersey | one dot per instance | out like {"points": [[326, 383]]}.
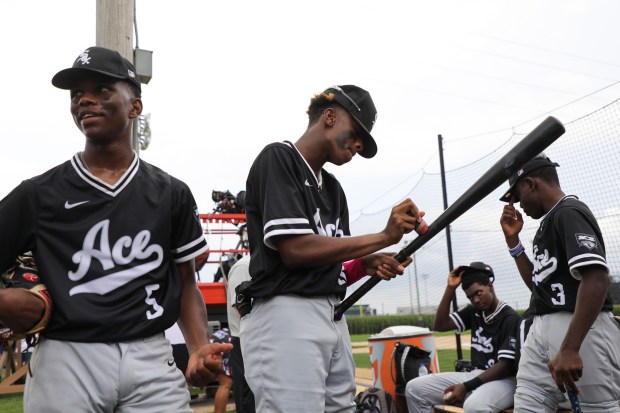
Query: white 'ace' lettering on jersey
{"points": [[481, 343], [139, 248], [544, 265], [330, 230]]}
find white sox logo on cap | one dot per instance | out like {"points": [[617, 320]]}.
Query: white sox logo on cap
{"points": [[83, 58], [97, 60]]}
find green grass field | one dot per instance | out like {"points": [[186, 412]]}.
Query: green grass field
{"points": [[446, 359], [13, 403]]}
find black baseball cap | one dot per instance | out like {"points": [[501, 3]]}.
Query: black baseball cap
{"points": [[478, 267], [540, 161], [360, 106], [99, 60]]}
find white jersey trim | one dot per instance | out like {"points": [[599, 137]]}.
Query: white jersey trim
{"points": [[576, 272], [284, 221], [271, 234], [318, 179], [460, 325], [600, 258], [506, 354], [102, 186], [192, 255], [189, 245]]}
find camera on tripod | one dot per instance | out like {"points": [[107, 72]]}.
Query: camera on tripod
{"points": [[227, 203]]}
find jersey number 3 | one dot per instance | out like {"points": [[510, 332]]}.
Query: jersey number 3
{"points": [[559, 291], [157, 309]]}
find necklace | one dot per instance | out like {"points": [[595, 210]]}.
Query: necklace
{"points": [[489, 318], [556, 204]]}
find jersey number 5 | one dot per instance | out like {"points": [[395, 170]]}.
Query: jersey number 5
{"points": [[157, 309]]}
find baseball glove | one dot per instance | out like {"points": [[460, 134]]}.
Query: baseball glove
{"points": [[24, 275]]}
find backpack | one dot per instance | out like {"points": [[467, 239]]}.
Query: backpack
{"points": [[374, 400], [406, 360]]}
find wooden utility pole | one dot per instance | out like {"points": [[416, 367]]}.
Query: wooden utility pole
{"points": [[115, 26], [115, 20]]}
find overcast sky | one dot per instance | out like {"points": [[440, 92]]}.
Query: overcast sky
{"points": [[231, 77]]}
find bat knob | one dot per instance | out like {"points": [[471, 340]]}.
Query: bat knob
{"points": [[338, 312]]}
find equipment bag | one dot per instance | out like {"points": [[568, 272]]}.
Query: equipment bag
{"points": [[374, 400], [406, 360]]}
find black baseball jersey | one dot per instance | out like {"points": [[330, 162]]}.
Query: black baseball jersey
{"points": [[284, 197], [568, 238], [492, 337], [107, 253]]}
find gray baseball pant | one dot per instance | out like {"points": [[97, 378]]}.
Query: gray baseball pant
{"points": [[424, 392], [137, 376], [296, 357], [599, 385]]}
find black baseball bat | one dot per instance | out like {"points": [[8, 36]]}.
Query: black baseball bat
{"points": [[535, 142], [574, 401]]}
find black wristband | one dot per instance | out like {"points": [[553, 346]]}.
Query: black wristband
{"points": [[472, 384]]}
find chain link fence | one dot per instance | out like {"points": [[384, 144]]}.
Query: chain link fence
{"points": [[589, 158]]}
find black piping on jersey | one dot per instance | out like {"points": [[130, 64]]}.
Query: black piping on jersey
{"points": [[97, 183]]}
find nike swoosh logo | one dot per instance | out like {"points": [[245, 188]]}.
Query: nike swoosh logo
{"points": [[307, 183], [171, 363], [69, 206]]}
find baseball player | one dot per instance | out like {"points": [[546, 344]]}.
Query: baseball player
{"points": [[114, 239], [572, 344], [238, 273], [491, 385], [297, 358]]}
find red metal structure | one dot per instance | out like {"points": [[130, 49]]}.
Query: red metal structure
{"points": [[223, 225]]}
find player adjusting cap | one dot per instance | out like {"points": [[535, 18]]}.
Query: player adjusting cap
{"points": [[477, 267], [360, 106], [98, 60], [539, 161]]}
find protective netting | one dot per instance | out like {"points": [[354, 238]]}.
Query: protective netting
{"points": [[589, 158]]}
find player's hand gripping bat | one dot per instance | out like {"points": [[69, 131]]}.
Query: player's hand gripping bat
{"points": [[535, 142]]}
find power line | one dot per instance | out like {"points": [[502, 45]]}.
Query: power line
{"points": [[512, 128], [543, 49], [500, 79], [531, 62], [536, 117]]}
